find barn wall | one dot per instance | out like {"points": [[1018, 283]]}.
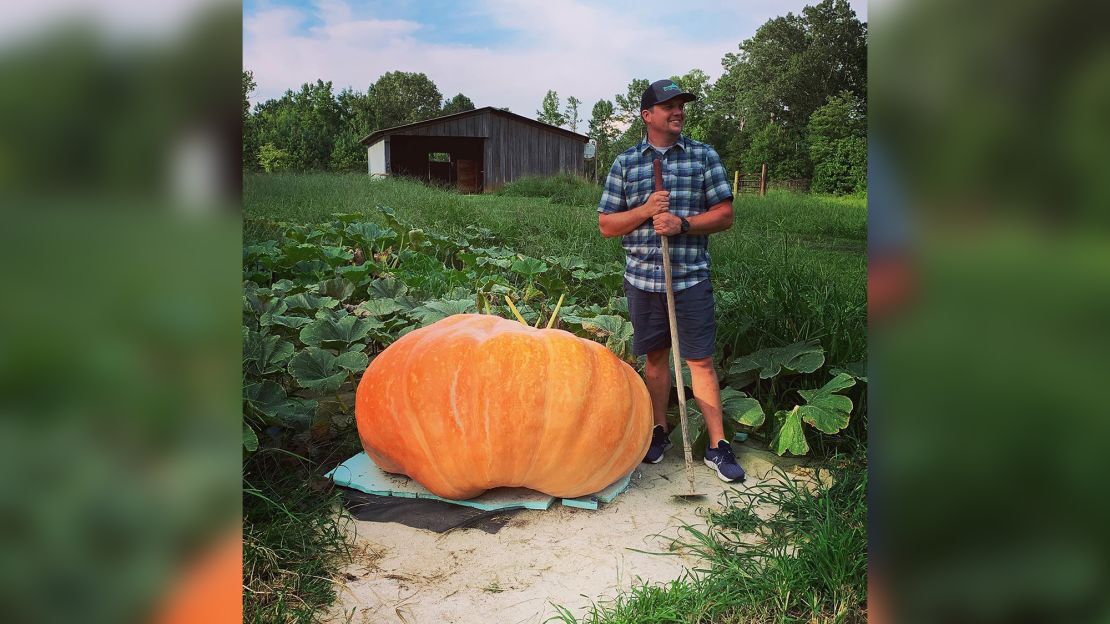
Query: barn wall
{"points": [[508, 149], [375, 158], [516, 149]]}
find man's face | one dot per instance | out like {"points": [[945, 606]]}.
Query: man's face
{"points": [[666, 118]]}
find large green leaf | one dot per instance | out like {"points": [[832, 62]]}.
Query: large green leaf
{"points": [[265, 354], [331, 333], [741, 408], [357, 274], [529, 267], [316, 369], [337, 256], [790, 437], [309, 302], [380, 307], [250, 439], [825, 410], [369, 234], [386, 288], [354, 361], [292, 322], [339, 289], [300, 253], [438, 310], [800, 357], [616, 331], [262, 302], [268, 402]]}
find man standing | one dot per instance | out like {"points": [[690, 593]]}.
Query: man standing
{"points": [[698, 202]]}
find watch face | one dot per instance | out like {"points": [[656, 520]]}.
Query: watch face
{"points": [[685, 226]]}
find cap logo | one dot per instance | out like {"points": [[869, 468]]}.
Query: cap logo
{"points": [[671, 87]]}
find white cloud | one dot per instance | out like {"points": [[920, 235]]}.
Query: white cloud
{"points": [[577, 48]]}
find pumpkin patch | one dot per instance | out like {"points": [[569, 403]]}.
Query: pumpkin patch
{"points": [[474, 402]]}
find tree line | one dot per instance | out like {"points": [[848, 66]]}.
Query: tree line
{"points": [[794, 96]]}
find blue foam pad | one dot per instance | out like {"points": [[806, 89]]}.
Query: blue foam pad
{"points": [[361, 473]]}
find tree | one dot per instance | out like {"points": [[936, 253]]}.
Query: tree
{"points": [[697, 119], [248, 87], [603, 131], [838, 145], [304, 124], [628, 108], [399, 98], [355, 122], [781, 76], [549, 113], [250, 135], [458, 104], [273, 158], [571, 114]]}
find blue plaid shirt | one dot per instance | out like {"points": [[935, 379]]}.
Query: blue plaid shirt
{"points": [[694, 175]]}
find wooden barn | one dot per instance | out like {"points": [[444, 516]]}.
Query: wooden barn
{"points": [[476, 151]]}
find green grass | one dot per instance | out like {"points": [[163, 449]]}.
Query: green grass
{"points": [[565, 189], [294, 539], [805, 563]]}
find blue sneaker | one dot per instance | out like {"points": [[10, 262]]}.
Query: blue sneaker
{"points": [[723, 461], [660, 442]]}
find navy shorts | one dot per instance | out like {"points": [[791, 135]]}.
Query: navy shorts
{"points": [[697, 327]]}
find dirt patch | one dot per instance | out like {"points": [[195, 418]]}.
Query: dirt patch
{"points": [[566, 556]]}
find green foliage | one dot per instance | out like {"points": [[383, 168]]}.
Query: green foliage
{"points": [[273, 159], [549, 110], [567, 190], [458, 104], [399, 98], [838, 145], [571, 114]]}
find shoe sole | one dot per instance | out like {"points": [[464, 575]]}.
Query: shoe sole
{"points": [[721, 476]]}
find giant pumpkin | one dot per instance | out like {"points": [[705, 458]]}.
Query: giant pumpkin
{"points": [[475, 402]]}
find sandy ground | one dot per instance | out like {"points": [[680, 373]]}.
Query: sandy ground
{"points": [[564, 556]]}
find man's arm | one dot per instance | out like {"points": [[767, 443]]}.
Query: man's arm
{"points": [[717, 219], [621, 223]]}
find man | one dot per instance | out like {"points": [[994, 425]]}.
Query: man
{"points": [[698, 202]]}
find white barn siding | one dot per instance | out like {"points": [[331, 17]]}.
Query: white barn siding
{"points": [[375, 158]]}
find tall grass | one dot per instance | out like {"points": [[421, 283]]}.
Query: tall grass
{"points": [[293, 539], [807, 562], [564, 189]]}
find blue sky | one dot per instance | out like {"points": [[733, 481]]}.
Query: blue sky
{"points": [[497, 52]]}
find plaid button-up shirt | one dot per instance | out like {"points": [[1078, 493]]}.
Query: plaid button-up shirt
{"points": [[696, 179]]}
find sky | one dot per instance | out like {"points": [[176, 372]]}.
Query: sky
{"points": [[503, 53]]}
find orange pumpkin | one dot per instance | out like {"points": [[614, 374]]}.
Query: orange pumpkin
{"points": [[475, 402]]}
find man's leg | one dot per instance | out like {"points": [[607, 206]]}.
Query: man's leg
{"points": [[657, 377], [707, 391]]}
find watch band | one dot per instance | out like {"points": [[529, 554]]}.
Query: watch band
{"points": [[685, 225]]}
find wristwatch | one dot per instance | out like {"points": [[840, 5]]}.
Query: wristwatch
{"points": [[685, 225]]}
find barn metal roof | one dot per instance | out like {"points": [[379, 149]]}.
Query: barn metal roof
{"points": [[376, 136]]}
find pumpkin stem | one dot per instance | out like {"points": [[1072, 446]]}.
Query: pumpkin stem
{"points": [[551, 321], [516, 312]]}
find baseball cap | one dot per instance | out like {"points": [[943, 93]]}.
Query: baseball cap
{"points": [[663, 90]]}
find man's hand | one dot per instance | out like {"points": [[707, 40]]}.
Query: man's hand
{"points": [[666, 224], [658, 202]]}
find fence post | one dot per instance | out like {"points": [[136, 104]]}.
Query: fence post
{"points": [[763, 181], [735, 182]]}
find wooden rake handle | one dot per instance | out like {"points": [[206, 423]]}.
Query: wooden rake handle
{"points": [[657, 166]]}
